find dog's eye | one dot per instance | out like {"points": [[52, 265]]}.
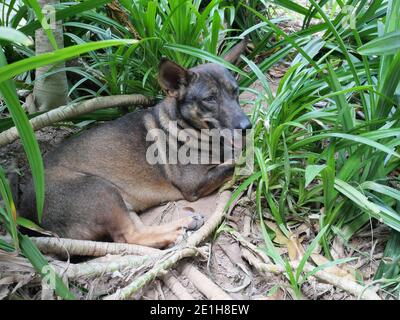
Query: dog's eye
{"points": [[211, 98]]}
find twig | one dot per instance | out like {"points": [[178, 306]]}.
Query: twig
{"points": [[189, 250], [250, 246], [158, 269], [206, 286], [47, 292], [91, 248], [93, 268], [176, 287], [73, 110], [117, 13]]}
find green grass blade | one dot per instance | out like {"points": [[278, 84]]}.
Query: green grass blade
{"points": [[380, 188], [309, 251], [349, 137], [10, 214], [43, 268], [385, 45], [16, 68], [78, 8], [12, 35], [25, 131], [43, 21]]}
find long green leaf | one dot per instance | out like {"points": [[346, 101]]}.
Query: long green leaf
{"points": [[12, 35], [62, 14], [43, 268], [386, 45], [204, 55], [43, 21], [25, 131], [350, 137], [16, 68]]}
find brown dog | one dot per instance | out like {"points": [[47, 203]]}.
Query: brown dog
{"points": [[95, 179]]}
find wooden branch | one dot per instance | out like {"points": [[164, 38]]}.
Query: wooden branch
{"points": [[157, 270], [188, 251], [49, 245], [206, 286], [98, 268], [137, 256], [73, 110], [176, 287]]}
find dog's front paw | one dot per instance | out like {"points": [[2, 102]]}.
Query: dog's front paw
{"points": [[190, 223], [196, 222]]}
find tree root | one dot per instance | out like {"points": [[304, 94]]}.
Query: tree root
{"points": [[176, 287], [69, 111], [60, 246], [157, 270], [136, 257], [345, 284], [97, 268], [188, 251], [206, 286]]}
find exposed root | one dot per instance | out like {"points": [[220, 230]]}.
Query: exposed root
{"points": [[60, 246], [96, 268], [188, 251], [73, 110], [47, 292], [176, 287], [206, 286], [157, 270]]}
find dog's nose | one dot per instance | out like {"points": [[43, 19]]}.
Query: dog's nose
{"points": [[245, 124]]}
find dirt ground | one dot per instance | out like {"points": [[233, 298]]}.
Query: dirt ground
{"points": [[224, 264]]}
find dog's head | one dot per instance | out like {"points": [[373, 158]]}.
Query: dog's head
{"points": [[207, 95]]}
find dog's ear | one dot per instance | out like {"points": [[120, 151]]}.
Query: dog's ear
{"points": [[173, 78]]}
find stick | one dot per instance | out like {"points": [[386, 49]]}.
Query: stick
{"points": [[175, 286], [153, 273], [91, 269], [188, 251], [90, 248], [339, 282], [207, 287], [47, 292], [73, 110]]}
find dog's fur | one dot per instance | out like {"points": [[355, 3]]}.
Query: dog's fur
{"points": [[95, 179]]}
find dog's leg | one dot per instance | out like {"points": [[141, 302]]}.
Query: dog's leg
{"points": [[132, 230], [93, 209], [209, 183]]}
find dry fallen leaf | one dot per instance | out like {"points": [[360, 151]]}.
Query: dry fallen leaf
{"points": [[295, 249], [280, 238], [320, 260], [293, 243]]}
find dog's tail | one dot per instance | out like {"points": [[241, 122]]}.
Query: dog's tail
{"points": [[233, 55]]}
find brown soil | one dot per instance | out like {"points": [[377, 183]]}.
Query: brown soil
{"points": [[225, 265]]}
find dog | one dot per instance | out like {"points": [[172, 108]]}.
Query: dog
{"points": [[96, 179]]}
